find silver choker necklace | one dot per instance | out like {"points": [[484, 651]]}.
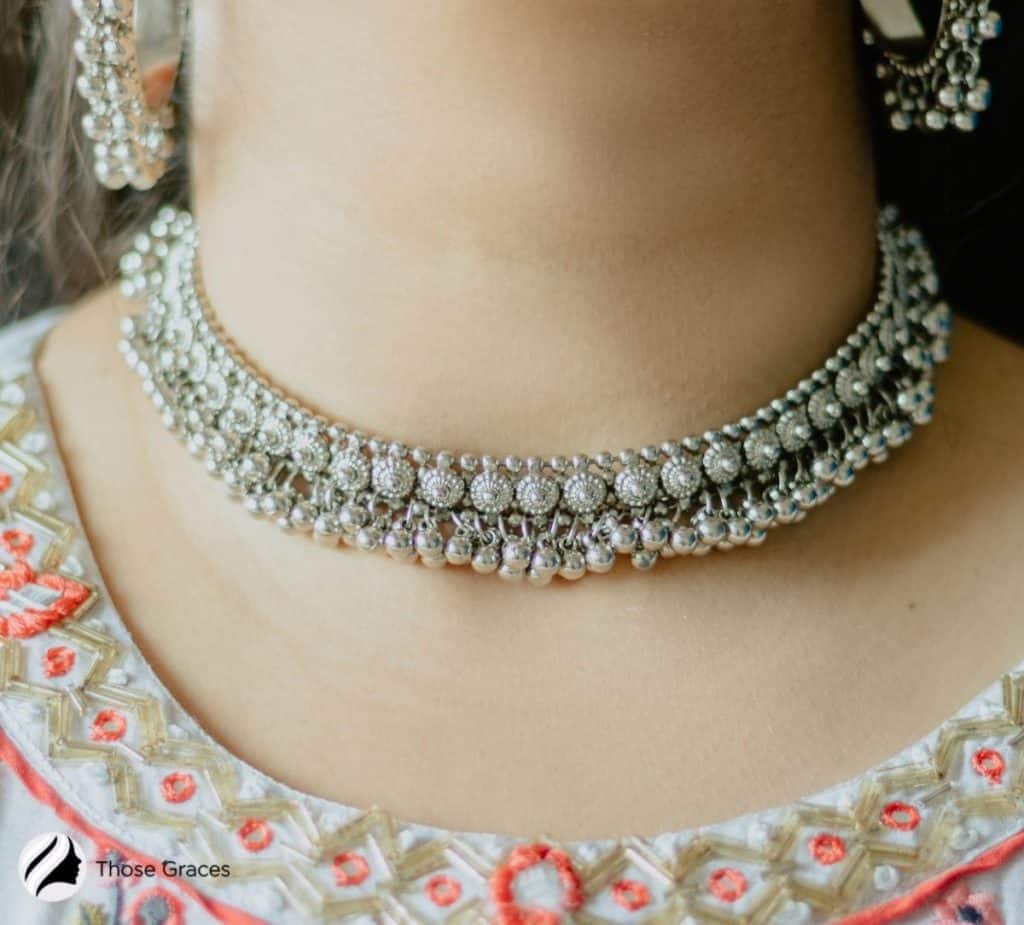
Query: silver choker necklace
{"points": [[534, 517]]}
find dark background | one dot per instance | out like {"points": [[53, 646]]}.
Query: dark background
{"points": [[967, 190]]}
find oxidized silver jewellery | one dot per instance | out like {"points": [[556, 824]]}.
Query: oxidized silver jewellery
{"points": [[932, 82], [129, 52], [535, 517]]}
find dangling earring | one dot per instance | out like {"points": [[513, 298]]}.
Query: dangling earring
{"points": [[932, 82], [130, 51]]}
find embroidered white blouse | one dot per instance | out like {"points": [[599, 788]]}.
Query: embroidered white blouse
{"points": [[92, 746]]}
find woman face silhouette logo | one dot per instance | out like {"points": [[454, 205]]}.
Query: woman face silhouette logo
{"points": [[52, 867]]}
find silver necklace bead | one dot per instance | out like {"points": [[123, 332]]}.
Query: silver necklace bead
{"points": [[681, 476], [459, 549], [762, 449], [349, 470], [486, 560], [392, 477], [441, 487], [656, 534], [399, 544], [429, 543], [684, 540], [584, 492], [600, 558], [637, 484], [491, 492], [625, 537], [574, 565], [722, 461], [537, 494]]}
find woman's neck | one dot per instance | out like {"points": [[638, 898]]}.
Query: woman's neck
{"points": [[534, 227]]}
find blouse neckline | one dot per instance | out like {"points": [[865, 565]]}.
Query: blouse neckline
{"points": [[81, 701]]}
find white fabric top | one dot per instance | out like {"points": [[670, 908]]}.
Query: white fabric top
{"points": [[92, 746]]}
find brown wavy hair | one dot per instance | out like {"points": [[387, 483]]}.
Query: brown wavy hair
{"points": [[60, 231]]}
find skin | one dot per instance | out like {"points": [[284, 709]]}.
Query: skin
{"points": [[676, 195]]}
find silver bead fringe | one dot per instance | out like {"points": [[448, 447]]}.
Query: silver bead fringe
{"points": [[131, 142], [536, 517], [944, 87]]}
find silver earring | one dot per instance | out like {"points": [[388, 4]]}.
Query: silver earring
{"points": [[129, 51], [931, 78]]}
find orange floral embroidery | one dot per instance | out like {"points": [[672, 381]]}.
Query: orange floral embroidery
{"points": [[989, 764], [442, 890], [960, 905], [155, 905], [255, 835], [827, 849], [58, 661], [727, 884], [30, 621], [5, 481], [350, 869], [18, 543], [108, 726], [900, 816], [178, 787], [630, 894], [521, 858]]}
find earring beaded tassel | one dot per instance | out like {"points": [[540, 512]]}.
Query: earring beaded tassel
{"points": [[944, 87], [131, 139]]}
